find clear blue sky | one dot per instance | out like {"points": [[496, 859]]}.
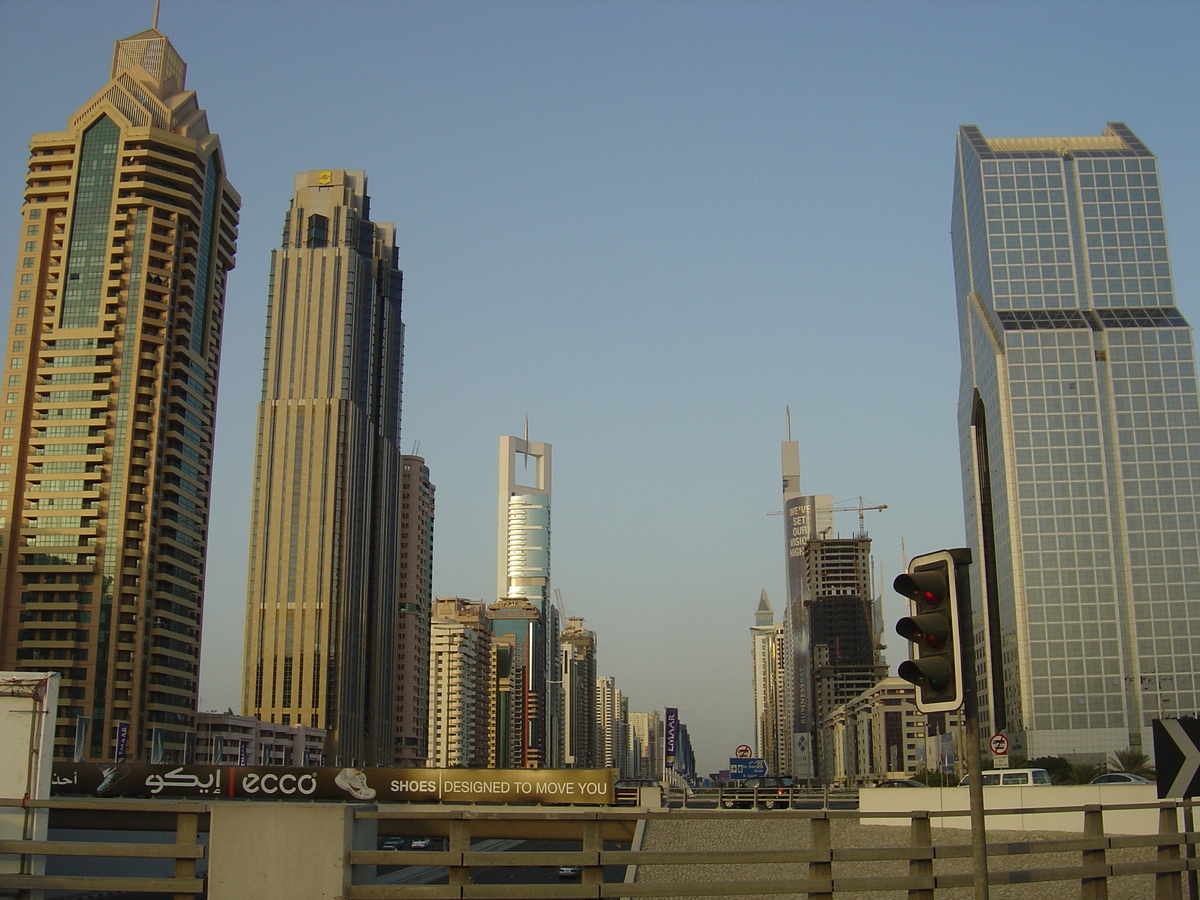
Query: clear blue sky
{"points": [[650, 226]]}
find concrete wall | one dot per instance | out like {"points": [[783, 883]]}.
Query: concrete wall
{"points": [[284, 851], [1137, 821], [28, 704]]}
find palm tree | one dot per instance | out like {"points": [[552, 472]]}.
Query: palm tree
{"points": [[1130, 760], [1082, 773]]}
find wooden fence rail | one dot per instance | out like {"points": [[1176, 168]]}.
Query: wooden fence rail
{"points": [[820, 868]]}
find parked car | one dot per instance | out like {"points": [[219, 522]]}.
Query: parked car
{"points": [[1120, 778], [1011, 778], [392, 843], [900, 782], [569, 871], [419, 844], [769, 792]]}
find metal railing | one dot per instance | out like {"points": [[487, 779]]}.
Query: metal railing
{"points": [[821, 868]]}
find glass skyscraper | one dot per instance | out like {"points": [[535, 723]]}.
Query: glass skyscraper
{"points": [[1080, 441]]}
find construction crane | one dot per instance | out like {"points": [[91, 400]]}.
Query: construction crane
{"points": [[558, 597], [860, 507]]}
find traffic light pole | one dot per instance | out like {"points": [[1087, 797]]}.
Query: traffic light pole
{"points": [[962, 562]]}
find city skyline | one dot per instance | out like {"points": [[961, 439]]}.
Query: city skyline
{"points": [[649, 228]]}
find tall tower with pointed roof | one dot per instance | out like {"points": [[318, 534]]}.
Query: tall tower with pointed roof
{"points": [[127, 235]]}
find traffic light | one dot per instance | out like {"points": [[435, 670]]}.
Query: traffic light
{"points": [[936, 666]]}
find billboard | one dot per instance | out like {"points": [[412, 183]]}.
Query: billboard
{"points": [[670, 743], [798, 514], [525, 786]]}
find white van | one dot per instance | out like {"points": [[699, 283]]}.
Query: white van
{"points": [[1012, 777]]}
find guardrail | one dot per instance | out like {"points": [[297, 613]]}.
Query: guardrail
{"points": [[301, 832], [186, 819]]}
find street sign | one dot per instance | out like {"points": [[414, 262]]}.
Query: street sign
{"points": [[747, 768], [1177, 757], [1000, 762], [743, 751], [999, 744]]}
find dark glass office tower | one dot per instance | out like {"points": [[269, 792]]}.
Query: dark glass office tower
{"points": [[1080, 441]]}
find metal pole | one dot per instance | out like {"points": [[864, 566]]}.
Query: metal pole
{"points": [[975, 793], [1189, 827], [962, 560]]}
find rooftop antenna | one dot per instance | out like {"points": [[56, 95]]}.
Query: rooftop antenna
{"points": [[787, 410], [154, 24]]}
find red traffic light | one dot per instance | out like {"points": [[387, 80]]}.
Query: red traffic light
{"points": [[932, 630], [927, 588]]}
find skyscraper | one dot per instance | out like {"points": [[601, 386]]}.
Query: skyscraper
{"points": [[523, 531], [1080, 442], [413, 614], [523, 574], [128, 230], [460, 683], [519, 714], [768, 652], [580, 731], [804, 517], [323, 585]]}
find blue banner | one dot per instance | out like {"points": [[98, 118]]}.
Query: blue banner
{"points": [[81, 730], [669, 745], [122, 741]]}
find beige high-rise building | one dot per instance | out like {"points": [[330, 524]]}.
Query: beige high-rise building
{"points": [[128, 228], [461, 661], [323, 585], [412, 616]]}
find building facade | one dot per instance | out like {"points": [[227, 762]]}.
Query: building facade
{"points": [[646, 733], [613, 721], [881, 734], [461, 692], [324, 583], [518, 712], [127, 233], [523, 573], [804, 518], [1080, 442], [413, 614], [227, 739], [768, 652], [581, 735]]}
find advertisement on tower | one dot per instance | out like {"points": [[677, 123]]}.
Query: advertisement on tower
{"points": [[672, 729], [798, 514]]}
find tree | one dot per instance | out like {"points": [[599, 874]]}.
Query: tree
{"points": [[1059, 768], [1131, 760], [1082, 773]]}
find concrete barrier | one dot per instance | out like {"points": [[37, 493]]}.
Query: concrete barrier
{"points": [[282, 851], [1039, 803]]}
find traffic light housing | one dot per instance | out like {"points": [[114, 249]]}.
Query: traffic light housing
{"points": [[936, 663]]}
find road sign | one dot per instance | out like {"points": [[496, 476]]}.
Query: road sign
{"points": [[1177, 757], [1000, 762], [747, 768], [743, 751], [999, 744]]}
